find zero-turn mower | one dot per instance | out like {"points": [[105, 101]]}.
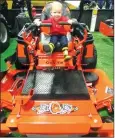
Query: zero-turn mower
{"points": [[47, 95]]}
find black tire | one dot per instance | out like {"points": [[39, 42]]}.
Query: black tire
{"points": [[90, 62], [2, 117], [108, 119], [2, 74], [4, 35], [91, 135], [19, 64]]}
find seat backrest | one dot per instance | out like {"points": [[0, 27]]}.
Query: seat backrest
{"points": [[46, 12]]}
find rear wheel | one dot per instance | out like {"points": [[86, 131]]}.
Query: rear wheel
{"points": [[4, 37], [90, 63], [108, 119]]}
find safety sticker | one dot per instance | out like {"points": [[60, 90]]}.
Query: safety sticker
{"points": [[109, 90]]}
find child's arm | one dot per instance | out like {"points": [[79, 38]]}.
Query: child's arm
{"points": [[66, 19], [70, 21]]}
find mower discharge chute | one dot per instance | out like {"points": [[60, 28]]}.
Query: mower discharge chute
{"points": [[51, 96], [107, 27]]}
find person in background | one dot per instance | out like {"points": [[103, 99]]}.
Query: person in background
{"points": [[105, 4], [109, 4], [17, 4]]}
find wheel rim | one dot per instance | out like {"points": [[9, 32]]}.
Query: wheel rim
{"points": [[3, 33]]}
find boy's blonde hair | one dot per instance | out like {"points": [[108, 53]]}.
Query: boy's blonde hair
{"points": [[56, 5]]}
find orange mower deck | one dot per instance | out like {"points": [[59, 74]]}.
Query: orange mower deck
{"points": [[60, 116]]}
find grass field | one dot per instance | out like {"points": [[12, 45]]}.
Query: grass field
{"points": [[105, 52]]}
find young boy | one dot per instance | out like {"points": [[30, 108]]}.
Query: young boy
{"points": [[58, 33]]}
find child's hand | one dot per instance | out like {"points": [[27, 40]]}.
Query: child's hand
{"points": [[37, 22], [70, 21]]}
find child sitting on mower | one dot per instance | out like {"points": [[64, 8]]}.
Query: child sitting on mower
{"points": [[58, 32]]}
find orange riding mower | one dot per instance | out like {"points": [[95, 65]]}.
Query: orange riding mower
{"points": [[51, 96]]}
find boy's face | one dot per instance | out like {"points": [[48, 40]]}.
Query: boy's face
{"points": [[56, 13]]}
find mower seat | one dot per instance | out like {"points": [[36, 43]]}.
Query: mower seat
{"points": [[45, 35], [45, 39]]}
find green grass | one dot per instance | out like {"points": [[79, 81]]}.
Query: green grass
{"points": [[105, 52], [9, 52]]}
